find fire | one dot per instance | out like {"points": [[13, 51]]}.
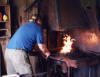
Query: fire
{"points": [[67, 41]]}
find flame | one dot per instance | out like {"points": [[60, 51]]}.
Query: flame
{"points": [[67, 41]]}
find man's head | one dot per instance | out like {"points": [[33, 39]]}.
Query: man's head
{"points": [[38, 20], [35, 18]]}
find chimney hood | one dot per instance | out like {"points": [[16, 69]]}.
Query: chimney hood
{"points": [[62, 15]]}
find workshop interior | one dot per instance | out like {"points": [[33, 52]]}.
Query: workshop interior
{"points": [[71, 32]]}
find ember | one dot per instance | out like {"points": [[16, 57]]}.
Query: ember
{"points": [[67, 41]]}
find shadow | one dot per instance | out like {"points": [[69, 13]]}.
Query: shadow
{"points": [[2, 64]]}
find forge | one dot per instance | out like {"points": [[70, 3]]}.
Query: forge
{"points": [[84, 53], [61, 17]]}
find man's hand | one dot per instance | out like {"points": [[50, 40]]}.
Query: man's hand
{"points": [[44, 50]]}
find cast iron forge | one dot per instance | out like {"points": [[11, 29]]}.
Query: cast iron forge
{"points": [[81, 58], [54, 69]]}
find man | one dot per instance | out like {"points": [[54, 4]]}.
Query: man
{"points": [[22, 42]]}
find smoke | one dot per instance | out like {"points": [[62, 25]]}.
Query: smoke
{"points": [[87, 41]]}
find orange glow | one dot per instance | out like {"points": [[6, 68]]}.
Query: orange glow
{"points": [[67, 41], [93, 38]]}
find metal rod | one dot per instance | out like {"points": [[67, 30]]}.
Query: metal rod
{"points": [[89, 71], [37, 74], [68, 71]]}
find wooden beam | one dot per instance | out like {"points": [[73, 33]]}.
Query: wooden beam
{"points": [[33, 4]]}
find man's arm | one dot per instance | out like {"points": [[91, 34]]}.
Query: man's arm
{"points": [[44, 50]]}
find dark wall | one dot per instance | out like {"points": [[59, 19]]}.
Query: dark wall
{"points": [[2, 64]]}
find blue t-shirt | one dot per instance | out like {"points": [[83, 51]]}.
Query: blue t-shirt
{"points": [[26, 37]]}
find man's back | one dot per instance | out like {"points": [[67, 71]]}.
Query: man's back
{"points": [[26, 37]]}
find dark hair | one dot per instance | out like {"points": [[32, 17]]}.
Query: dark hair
{"points": [[38, 17]]}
